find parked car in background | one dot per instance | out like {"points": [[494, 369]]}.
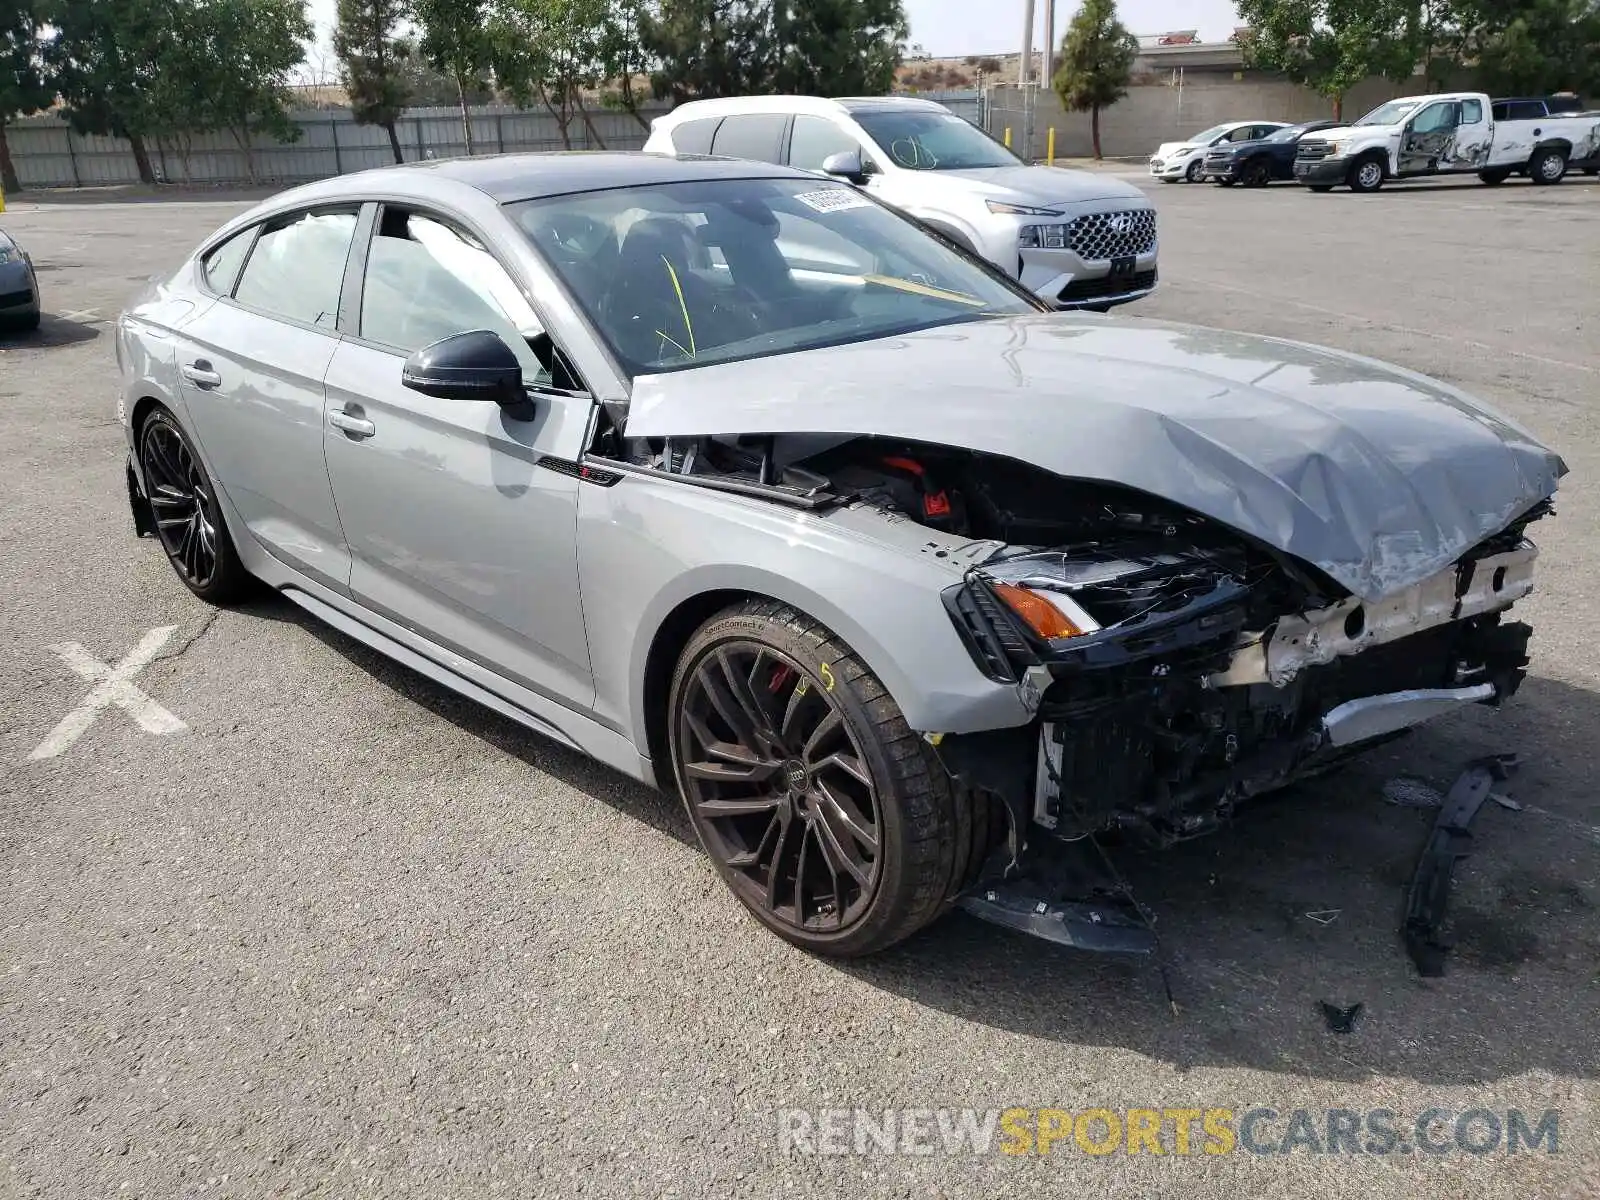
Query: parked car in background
{"points": [[737, 481], [1258, 162], [1079, 239], [1185, 160], [19, 286], [1450, 134]]}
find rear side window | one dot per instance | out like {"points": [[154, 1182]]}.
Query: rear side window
{"points": [[1519, 110], [221, 266], [296, 269], [815, 140], [758, 136], [694, 137]]}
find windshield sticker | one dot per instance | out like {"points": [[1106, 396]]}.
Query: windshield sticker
{"points": [[833, 200]]}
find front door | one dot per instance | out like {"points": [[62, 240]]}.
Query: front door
{"points": [[251, 369], [1428, 143], [455, 529]]}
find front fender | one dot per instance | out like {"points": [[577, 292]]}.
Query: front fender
{"points": [[652, 543]]}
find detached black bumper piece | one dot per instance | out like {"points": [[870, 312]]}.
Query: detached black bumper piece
{"points": [[1450, 842], [1321, 171]]}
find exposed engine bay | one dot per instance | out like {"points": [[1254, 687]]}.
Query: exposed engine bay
{"points": [[1177, 667]]}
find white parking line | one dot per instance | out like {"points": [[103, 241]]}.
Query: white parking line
{"points": [[84, 316], [112, 686]]}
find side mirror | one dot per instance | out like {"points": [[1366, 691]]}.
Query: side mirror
{"points": [[477, 365], [847, 164]]}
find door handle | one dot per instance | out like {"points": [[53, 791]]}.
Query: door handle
{"points": [[200, 374], [351, 424]]}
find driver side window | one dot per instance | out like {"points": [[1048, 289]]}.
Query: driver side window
{"points": [[426, 280], [1434, 118]]}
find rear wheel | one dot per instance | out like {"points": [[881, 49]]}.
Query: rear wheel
{"points": [[1547, 166], [1366, 175], [830, 820], [188, 519]]}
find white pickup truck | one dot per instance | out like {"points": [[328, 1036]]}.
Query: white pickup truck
{"points": [[1452, 133]]}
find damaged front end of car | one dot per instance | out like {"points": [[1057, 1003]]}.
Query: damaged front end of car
{"points": [[1178, 673]]}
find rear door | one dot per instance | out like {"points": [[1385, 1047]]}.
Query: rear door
{"points": [[252, 367], [456, 529]]}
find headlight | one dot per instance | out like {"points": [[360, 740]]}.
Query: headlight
{"points": [[1051, 615], [9, 254], [1336, 146], [1019, 210]]}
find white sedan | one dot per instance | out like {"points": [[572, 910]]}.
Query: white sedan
{"points": [[1173, 161]]}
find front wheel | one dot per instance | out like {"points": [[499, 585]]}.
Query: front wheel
{"points": [[1224, 183], [1494, 178], [830, 820], [1257, 174], [1192, 174], [1547, 166], [1366, 176], [188, 519], [1320, 188]]}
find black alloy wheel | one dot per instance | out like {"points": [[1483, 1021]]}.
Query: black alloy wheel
{"points": [[183, 503], [828, 817], [779, 788], [1257, 174]]}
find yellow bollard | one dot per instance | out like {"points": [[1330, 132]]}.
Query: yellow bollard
{"points": [[1050, 149], [1008, 137], [2, 199]]}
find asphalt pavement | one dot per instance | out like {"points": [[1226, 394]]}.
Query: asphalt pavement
{"points": [[345, 934]]}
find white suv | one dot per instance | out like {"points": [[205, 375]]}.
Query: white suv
{"points": [[1078, 239]]}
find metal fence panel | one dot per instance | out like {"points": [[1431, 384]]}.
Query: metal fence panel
{"points": [[47, 153]]}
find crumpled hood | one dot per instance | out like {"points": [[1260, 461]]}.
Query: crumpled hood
{"points": [[1037, 185], [1377, 475]]}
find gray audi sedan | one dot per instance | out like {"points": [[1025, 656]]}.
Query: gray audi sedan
{"points": [[19, 287], [741, 483]]}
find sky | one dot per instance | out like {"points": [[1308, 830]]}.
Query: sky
{"points": [[952, 27]]}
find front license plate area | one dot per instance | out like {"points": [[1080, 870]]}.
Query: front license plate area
{"points": [[1124, 267]]}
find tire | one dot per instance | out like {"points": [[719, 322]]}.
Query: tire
{"points": [[1494, 178], [1224, 182], [1320, 188], [818, 750], [1591, 171], [1547, 166], [1366, 175], [1192, 173], [189, 523], [23, 324], [1257, 174]]}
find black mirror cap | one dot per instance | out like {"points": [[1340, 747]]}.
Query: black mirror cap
{"points": [[847, 164], [477, 365]]}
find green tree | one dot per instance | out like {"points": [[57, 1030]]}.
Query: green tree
{"points": [[551, 51], [237, 57], [455, 41], [710, 48], [22, 86], [367, 40], [623, 57], [1332, 45], [838, 47], [107, 62], [1527, 46], [1096, 62]]}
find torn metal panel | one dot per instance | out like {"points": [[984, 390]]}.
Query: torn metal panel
{"points": [[1378, 476], [1353, 624]]}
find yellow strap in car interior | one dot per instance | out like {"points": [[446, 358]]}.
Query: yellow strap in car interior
{"points": [[683, 307], [922, 289]]}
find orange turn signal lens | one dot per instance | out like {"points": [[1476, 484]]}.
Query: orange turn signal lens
{"points": [[1044, 618]]}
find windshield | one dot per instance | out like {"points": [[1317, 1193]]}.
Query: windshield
{"points": [[1289, 133], [1391, 113], [685, 275], [933, 141], [1206, 137]]}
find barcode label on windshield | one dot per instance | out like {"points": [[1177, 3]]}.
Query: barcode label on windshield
{"points": [[833, 200]]}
